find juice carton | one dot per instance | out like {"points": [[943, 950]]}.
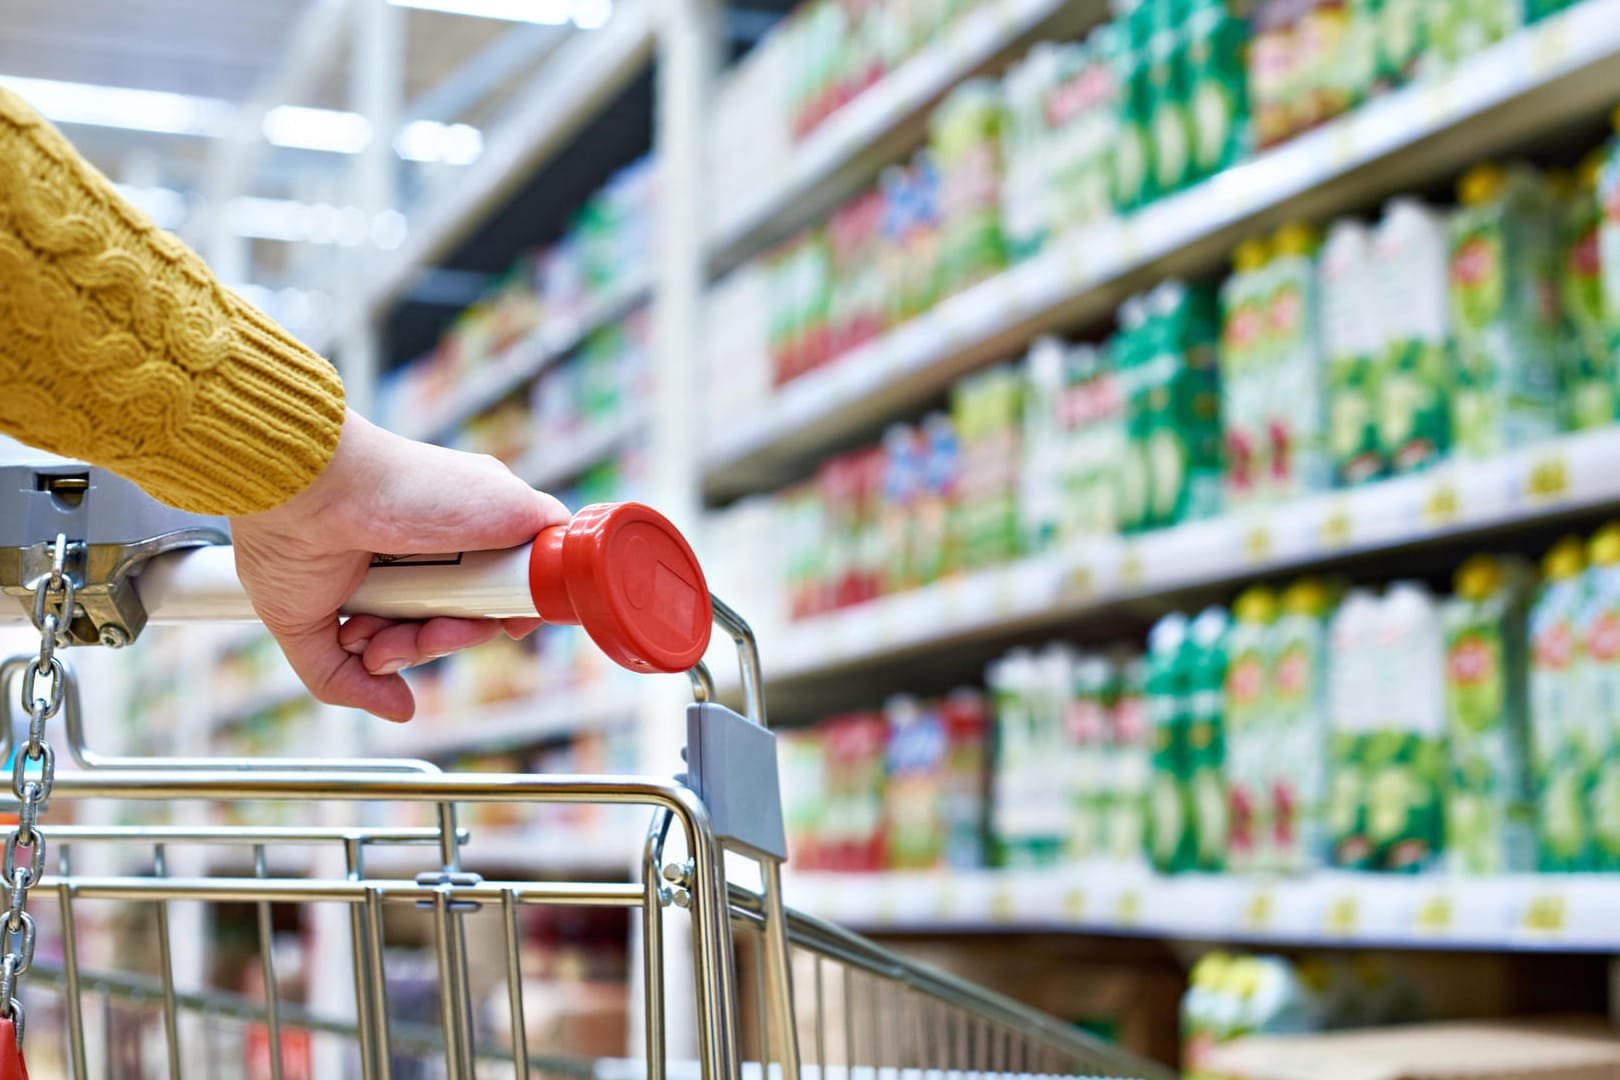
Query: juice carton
{"points": [[1355, 703], [903, 451], [1172, 839], [1360, 76], [965, 138], [1199, 1008], [1029, 801], [914, 797], [1028, 196], [1093, 444], [1175, 407], [1402, 39], [1130, 761], [985, 412], [1323, 29], [1409, 256], [1169, 120], [1296, 411], [1273, 96], [1244, 373], [1489, 818], [1599, 636], [1043, 445], [853, 831], [1250, 730], [1217, 88], [1558, 752], [1206, 737], [1457, 29], [1123, 43], [1086, 724], [804, 795], [1405, 754], [1129, 351], [1352, 338], [1608, 198], [1300, 746], [966, 717], [1504, 312], [935, 537], [1591, 392], [1084, 168]]}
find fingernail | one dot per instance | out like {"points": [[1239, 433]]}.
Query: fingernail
{"points": [[390, 668], [357, 647]]}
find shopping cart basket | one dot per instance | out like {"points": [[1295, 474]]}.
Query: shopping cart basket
{"points": [[91, 560]]}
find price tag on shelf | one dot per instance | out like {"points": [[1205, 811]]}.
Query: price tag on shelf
{"points": [[1257, 543], [1442, 505], [1128, 909], [1342, 915], [1260, 910], [1546, 913], [1080, 582], [1338, 527], [1548, 478], [1549, 47], [1438, 101], [1131, 571], [886, 906], [1003, 909], [1130, 242], [1076, 267], [1342, 144], [1004, 595], [1074, 904], [1435, 914], [944, 906]]}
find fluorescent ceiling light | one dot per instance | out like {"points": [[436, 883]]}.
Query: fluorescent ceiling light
{"points": [[122, 107], [587, 16], [293, 126]]}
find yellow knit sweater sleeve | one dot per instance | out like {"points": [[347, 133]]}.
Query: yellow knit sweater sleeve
{"points": [[120, 348]]}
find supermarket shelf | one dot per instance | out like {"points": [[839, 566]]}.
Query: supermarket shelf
{"points": [[522, 361], [282, 686], [1555, 73], [552, 714], [575, 82], [846, 151], [1528, 912], [1537, 485], [551, 463]]}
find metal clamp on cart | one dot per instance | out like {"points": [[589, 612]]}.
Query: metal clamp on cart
{"points": [[91, 560]]}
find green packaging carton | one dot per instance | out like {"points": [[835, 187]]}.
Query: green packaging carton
{"points": [[1244, 370], [1296, 382], [1599, 634], [1489, 816], [1352, 339], [1405, 753], [1250, 731], [1217, 85], [1511, 336], [1178, 398], [1172, 839], [1410, 251], [1130, 761], [1560, 758], [1206, 738], [1591, 393], [1087, 727], [1029, 818], [1169, 115], [1355, 703], [1124, 43], [1300, 745]]}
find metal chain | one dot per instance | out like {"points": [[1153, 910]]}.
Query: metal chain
{"points": [[53, 610]]}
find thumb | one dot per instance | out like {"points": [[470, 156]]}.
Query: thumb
{"points": [[472, 503]]}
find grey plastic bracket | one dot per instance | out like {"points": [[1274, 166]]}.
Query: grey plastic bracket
{"points": [[112, 527], [731, 766]]}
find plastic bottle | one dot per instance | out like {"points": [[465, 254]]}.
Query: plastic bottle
{"points": [[1488, 807], [1244, 366], [1300, 745], [1356, 701], [1250, 731], [1410, 251], [1557, 752], [1352, 337]]}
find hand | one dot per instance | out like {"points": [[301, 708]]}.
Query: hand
{"points": [[380, 493]]}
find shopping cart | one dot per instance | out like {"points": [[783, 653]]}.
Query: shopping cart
{"points": [[774, 992]]}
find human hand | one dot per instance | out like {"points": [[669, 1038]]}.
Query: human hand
{"points": [[381, 492]]}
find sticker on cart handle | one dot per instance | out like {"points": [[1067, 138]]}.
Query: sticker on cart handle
{"points": [[443, 558]]}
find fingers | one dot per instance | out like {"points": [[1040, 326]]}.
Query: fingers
{"points": [[356, 633], [405, 644], [339, 677], [518, 629]]}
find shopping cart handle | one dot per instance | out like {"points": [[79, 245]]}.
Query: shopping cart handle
{"points": [[619, 570]]}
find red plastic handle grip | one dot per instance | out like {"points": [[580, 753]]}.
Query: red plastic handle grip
{"points": [[629, 578]]}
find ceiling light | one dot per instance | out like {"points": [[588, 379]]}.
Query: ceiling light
{"points": [[545, 12], [302, 128], [123, 107]]}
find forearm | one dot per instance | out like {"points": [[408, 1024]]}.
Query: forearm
{"points": [[118, 346]]}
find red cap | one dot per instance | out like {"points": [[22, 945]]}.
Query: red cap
{"points": [[624, 573]]}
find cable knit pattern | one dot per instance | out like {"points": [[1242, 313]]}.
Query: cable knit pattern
{"points": [[120, 348]]}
